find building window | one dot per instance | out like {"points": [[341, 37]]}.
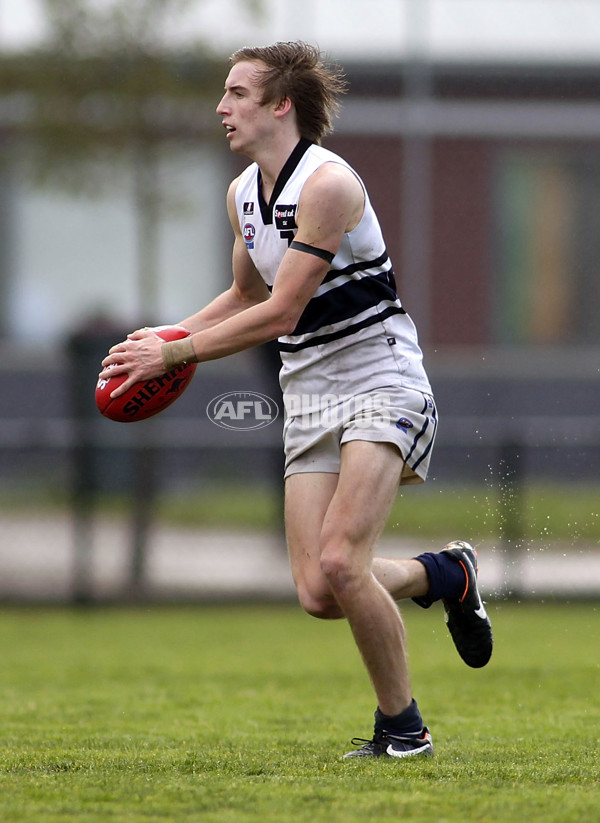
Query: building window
{"points": [[547, 246]]}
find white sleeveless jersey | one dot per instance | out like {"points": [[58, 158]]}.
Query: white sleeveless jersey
{"points": [[353, 336]]}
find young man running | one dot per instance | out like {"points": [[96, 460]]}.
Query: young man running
{"points": [[310, 269]]}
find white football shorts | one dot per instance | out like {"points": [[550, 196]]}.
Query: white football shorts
{"points": [[315, 429]]}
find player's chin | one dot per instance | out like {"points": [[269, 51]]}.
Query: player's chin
{"points": [[235, 145]]}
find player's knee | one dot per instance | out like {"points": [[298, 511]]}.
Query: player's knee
{"points": [[339, 570], [318, 604]]}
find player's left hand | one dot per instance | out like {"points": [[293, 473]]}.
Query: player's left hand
{"points": [[139, 356]]}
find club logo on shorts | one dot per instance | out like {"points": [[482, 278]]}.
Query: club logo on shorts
{"points": [[249, 235], [404, 423]]}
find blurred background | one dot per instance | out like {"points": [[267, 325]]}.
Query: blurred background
{"points": [[476, 127]]}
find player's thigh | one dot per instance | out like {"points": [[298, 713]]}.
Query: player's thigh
{"points": [[365, 492], [307, 498]]}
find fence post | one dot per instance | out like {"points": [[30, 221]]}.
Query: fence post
{"points": [[143, 498], [85, 349]]}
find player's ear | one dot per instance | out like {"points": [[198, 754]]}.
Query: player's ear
{"points": [[283, 107]]}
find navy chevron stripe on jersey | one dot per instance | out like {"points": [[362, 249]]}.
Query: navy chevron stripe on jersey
{"points": [[346, 331], [345, 301], [363, 265], [266, 209]]}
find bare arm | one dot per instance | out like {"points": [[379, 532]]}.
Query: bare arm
{"points": [[248, 287], [331, 204], [140, 355]]}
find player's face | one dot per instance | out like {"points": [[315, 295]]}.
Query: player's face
{"points": [[248, 123]]}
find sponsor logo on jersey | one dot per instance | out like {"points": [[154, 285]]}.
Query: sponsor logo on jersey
{"points": [[249, 235], [249, 208], [285, 217]]}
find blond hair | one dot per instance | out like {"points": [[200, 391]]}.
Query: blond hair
{"points": [[296, 70]]}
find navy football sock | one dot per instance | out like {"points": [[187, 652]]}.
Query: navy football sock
{"points": [[447, 578], [407, 722]]}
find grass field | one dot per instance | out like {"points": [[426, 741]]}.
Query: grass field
{"points": [[218, 714]]}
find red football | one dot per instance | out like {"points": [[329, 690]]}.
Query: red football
{"points": [[148, 397]]}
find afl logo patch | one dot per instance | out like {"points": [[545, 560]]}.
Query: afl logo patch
{"points": [[404, 423], [249, 235]]}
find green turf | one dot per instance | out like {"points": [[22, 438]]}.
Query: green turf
{"points": [[218, 714]]}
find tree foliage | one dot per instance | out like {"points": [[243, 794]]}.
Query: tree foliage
{"points": [[103, 93], [104, 82]]}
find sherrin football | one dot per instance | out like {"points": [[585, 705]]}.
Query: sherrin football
{"points": [[147, 397]]}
